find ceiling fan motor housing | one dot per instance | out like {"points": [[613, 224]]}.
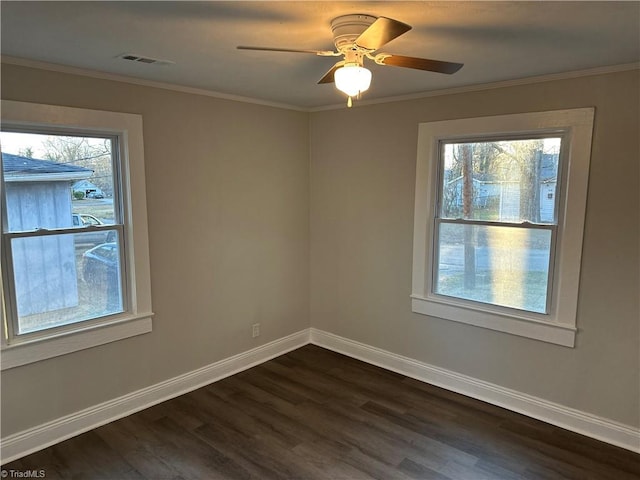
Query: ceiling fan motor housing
{"points": [[347, 28], [358, 36]]}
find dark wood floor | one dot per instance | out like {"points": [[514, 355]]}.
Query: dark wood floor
{"points": [[315, 414]]}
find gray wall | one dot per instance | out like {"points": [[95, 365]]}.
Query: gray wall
{"points": [[362, 196], [297, 220], [227, 194]]}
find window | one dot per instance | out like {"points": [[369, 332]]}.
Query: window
{"points": [[500, 204], [75, 268]]}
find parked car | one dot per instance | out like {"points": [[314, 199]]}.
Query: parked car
{"points": [[95, 237], [101, 271], [94, 195], [100, 264]]}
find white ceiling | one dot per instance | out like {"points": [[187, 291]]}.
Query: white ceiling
{"points": [[495, 40]]}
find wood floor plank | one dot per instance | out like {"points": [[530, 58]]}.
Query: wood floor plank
{"points": [[137, 453], [87, 456], [413, 444], [313, 414], [284, 378], [241, 449], [419, 471], [194, 458], [264, 455]]}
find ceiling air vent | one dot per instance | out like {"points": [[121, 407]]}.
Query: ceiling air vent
{"points": [[132, 57]]}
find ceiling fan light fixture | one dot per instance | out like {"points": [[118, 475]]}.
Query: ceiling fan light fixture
{"points": [[360, 36], [352, 79]]}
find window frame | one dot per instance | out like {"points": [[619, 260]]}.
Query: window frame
{"points": [[552, 227], [117, 150], [128, 163], [558, 326]]}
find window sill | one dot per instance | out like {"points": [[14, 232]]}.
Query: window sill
{"points": [[18, 354], [524, 327]]}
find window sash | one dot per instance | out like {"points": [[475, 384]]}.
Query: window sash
{"points": [[128, 128], [434, 267], [12, 335], [575, 128], [492, 137], [11, 325], [41, 232], [464, 221], [438, 220], [117, 155]]}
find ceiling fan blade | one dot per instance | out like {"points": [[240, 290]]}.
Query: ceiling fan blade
{"points": [[323, 53], [420, 63], [381, 32], [328, 77]]}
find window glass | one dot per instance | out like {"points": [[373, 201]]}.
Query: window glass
{"points": [[57, 284], [493, 264], [482, 185], [500, 181], [40, 166], [70, 279], [500, 203], [53, 183], [89, 219]]}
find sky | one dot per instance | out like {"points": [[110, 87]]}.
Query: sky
{"points": [[11, 142], [14, 142]]}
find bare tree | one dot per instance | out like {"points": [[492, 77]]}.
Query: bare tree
{"points": [[518, 162], [522, 160], [26, 152], [466, 154], [530, 186], [451, 194], [91, 153]]}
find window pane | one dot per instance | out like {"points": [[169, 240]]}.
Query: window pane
{"points": [[506, 266], [51, 179], [500, 181], [60, 280]]}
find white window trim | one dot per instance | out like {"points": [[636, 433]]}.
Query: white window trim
{"points": [[559, 326], [137, 320]]}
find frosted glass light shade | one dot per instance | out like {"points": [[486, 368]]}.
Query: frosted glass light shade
{"points": [[352, 79]]}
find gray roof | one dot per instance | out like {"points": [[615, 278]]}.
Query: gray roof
{"points": [[16, 164]]}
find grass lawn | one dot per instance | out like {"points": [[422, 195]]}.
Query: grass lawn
{"points": [[527, 291], [99, 208]]}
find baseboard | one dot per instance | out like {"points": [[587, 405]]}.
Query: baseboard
{"points": [[23, 443], [549, 412]]}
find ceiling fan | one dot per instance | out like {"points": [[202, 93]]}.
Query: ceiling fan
{"points": [[358, 36]]}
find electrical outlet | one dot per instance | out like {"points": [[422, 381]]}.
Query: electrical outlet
{"points": [[255, 330]]}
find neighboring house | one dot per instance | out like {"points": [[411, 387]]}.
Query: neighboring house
{"points": [[505, 194], [89, 189], [38, 194]]}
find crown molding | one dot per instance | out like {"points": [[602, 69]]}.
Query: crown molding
{"points": [[54, 67], [492, 85]]}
